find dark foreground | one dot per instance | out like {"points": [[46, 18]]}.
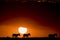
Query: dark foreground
{"points": [[29, 38]]}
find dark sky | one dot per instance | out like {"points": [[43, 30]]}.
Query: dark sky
{"points": [[49, 15], [30, 0], [46, 16]]}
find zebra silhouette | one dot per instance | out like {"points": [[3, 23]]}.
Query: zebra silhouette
{"points": [[52, 35], [15, 35], [26, 35]]}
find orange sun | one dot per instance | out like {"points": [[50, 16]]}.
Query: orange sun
{"points": [[22, 30]]}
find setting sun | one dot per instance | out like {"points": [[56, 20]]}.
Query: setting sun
{"points": [[22, 30]]}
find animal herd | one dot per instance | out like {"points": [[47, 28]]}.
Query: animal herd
{"points": [[27, 35], [24, 35]]}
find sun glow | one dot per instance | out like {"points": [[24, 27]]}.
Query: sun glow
{"points": [[22, 30]]}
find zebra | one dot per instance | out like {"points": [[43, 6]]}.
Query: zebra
{"points": [[52, 35], [15, 35], [26, 35]]}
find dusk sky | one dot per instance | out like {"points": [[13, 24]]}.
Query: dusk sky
{"points": [[30, 0], [40, 20]]}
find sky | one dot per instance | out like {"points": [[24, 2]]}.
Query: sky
{"points": [[40, 20], [31, 0]]}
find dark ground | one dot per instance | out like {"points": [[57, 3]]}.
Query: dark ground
{"points": [[30, 38]]}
